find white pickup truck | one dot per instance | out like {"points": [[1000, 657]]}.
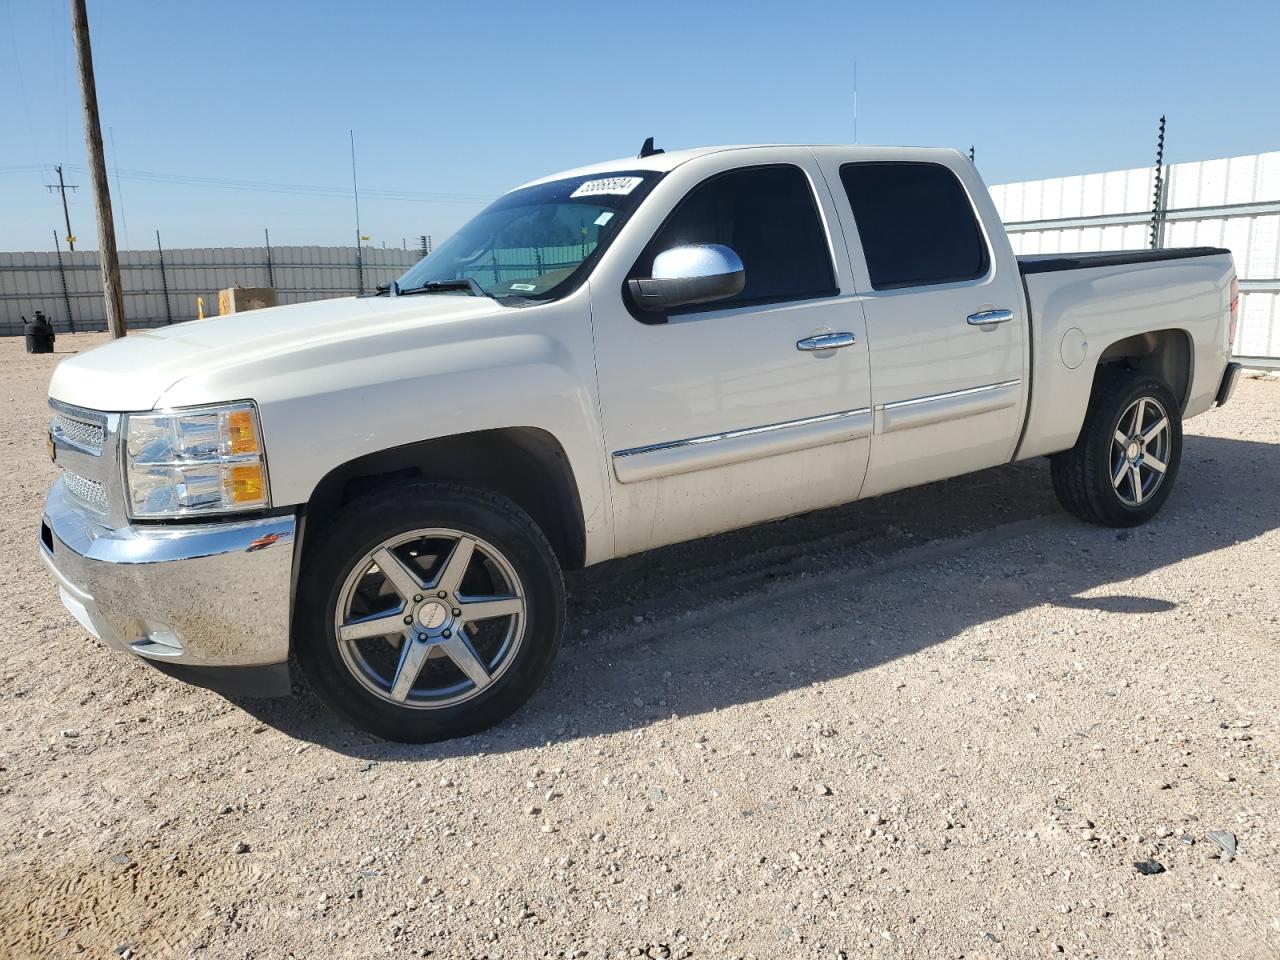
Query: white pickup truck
{"points": [[603, 361]]}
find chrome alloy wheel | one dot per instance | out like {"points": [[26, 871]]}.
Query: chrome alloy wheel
{"points": [[430, 618], [1139, 451]]}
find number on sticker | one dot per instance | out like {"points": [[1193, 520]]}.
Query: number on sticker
{"points": [[608, 185]]}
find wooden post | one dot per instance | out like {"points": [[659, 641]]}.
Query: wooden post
{"points": [[112, 292]]}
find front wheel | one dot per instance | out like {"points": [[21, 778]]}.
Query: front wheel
{"points": [[1124, 463], [428, 611]]}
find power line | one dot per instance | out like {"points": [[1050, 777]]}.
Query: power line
{"points": [[262, 186]]}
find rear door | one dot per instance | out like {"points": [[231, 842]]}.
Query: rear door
{"points": [[944, 310], [718, 416]]}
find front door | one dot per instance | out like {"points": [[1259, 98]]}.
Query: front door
{"points": [[722, 415]]}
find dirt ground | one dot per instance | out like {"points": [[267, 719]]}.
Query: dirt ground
{"points": [[944, 723]]}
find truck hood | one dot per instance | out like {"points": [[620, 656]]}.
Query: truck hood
{"points": [[133, 373]]}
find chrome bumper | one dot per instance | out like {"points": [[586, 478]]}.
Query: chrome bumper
{"points": [[196, 595]]}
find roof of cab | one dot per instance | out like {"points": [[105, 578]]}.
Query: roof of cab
{"points": [[662, 162], [669, 160]]}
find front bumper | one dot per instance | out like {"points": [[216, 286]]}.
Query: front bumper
{"points": [[199, 596]]}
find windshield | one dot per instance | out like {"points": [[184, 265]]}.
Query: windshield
{"points": [[536, 243]]}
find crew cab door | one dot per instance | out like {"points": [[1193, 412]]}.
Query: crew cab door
{"points": [[945, 314], [721, 415]]}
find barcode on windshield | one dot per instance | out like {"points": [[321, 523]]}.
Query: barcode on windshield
{"points": [[608, 185]]}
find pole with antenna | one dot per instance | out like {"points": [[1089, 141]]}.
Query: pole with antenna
{"points": [[355, 193]]}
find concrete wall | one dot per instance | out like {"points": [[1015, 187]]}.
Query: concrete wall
{"points": [[32, 281]]}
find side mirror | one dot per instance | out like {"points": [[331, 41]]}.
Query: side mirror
{"points": [[695, 273]]}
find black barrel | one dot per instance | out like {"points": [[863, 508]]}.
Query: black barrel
{"points": [[39, 334]]}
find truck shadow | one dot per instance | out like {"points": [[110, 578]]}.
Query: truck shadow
{"points": [[752, 614]]}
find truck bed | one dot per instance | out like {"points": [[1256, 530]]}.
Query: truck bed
{"points": [[1079, 304]]}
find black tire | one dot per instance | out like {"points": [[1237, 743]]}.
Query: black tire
{"points": [[359, 528], [1082, 476]]}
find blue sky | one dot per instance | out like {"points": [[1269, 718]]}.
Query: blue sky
{"points": [[453, 103]]}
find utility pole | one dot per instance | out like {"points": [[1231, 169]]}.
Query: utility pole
{"points": [[112, 292], [62, 188]]}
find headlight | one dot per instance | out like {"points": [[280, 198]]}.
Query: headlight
{"points": [[195, 461]]}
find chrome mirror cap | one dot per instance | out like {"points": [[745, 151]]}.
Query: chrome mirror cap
{"points": [[690, 274], [696, 260]]}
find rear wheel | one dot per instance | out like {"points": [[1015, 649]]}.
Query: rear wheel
{"points": [[1125, 461], [428, 611]]}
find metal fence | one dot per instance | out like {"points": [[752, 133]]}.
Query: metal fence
{"points": [[527, 263], [158, 292], [1232, 202]]}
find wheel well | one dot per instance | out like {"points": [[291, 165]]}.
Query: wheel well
{"points": [[1165, 354], [526, 464]]}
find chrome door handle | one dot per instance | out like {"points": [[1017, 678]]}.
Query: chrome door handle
{"points": [[989, 318], [826, 341]]}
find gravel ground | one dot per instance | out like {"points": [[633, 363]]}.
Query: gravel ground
{"points": [[950, 722]]}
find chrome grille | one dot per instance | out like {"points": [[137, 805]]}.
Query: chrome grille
{"points": [[89, 492], [85, 435]]}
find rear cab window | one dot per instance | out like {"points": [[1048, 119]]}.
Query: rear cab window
{"points": [[768, 215], [916, 223]]}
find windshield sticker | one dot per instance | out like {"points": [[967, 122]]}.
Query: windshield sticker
{"points": [[604, 218], [615, 185], [524, 286]]}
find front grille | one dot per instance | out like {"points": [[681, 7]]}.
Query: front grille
{"points": [[85, 435], [89, 492]]}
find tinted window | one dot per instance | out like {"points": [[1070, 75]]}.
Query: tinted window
{"points": [[916, 223], [768, 216]]}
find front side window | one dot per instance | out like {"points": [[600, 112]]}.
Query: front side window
{"points": [[769, 218], [537, 243], [916, 224]]}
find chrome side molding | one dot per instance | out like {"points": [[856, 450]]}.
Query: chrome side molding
{"points": [[954, 405], [750, 443]]}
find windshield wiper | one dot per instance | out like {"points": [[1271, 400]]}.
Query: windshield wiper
{"points": [[444, 286]]}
